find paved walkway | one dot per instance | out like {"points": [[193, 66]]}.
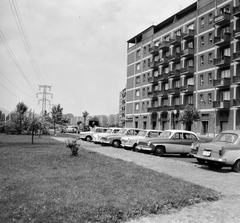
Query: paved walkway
{"points": [[226, 210]]}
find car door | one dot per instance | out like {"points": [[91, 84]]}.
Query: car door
{"points": [[188, 139], [175, 143]]}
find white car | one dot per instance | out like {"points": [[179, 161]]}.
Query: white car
{"points": [[96, 137], [89, 134], [72, 129], [130, 142]]}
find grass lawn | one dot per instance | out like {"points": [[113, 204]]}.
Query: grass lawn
{"points": [[41, 182]]}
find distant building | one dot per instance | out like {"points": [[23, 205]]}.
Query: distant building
{"points": [[122, 107]]}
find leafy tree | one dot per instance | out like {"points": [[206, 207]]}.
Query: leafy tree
{"points": [[21, 110], [85, 114], [57, 116], [190, 115]]}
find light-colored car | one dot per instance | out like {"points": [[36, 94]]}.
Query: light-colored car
{"points": [[224, 150], [89, 134], [72, 129], [169, 142], [96, 137], [130, 142], [115, 139]]}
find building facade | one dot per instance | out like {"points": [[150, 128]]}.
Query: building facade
{"points": [[193, 58]]}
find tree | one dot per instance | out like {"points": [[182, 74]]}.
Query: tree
{"points": [[190, 115], [57, 116], [21, 110], [85, 114]]}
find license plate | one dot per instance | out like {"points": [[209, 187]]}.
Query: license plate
{"points": [[206, 153]]}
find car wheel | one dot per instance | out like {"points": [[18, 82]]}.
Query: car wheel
{"points": [[88, 138], [159, 151], [116, 143], [134, 148], [236, 166], [201, 161]]}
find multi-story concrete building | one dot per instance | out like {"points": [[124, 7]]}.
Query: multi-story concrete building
{"points": [[193, 57]]}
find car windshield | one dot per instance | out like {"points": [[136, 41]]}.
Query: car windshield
{"points": [[121, 131], [142, 133], [226, 137], [165, 135], [109, 131]]}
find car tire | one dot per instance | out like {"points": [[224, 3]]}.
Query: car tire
{"points": [[236, 166], [201, 161], [88, 138], [159, 151], [134, 148], [116, 143]]}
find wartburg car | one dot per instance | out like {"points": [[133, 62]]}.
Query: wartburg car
{"points": [[169, 142], [130, 142], [88, 135], [224, 150], [96, 137], [115, 139]]}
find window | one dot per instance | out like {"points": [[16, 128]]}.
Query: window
{"points": [[137, 79], [209, 98], [143, 92], [178, 33], [202, 60], [210, 16], [165, 86], [210, 58], [143, 105], [210, 38], [190, 26], [166, 38], [189, 99], [225, 73], [225, 9], [201, 99], [190, 62], [156, 43], [147, 104], [190, 45], [144, 77], [177, 84], [202, 40], [209, 78], [201, 79], [138, 66], [137, 106], [144, 63], [224, 95], [202, 22], [190, 81], [149, 61], [144, 50], [149, 47], [137, 93], [138, 53]]}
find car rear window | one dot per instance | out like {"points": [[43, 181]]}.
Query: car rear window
{"points": [[226, 137]]}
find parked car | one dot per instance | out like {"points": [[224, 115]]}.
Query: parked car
{"points": [[71, 129], [130, 142], [89, 134], [96, 137], [224, 150], [115, 139], [169, 142]]}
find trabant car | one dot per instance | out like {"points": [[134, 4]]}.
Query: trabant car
{"points": [[89, 134], [169, 142], [224, 150], [96, 137], [130, 142], [115, 139]]}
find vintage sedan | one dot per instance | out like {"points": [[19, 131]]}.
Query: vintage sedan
{"points": [[169, 142], [96, 137], [224, 150], [115, 139], [89, 134], [130, 142]]}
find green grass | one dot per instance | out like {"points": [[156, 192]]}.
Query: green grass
{"points": [[43, 183]]}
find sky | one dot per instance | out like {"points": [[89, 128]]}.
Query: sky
{"points": [[77, 48]]}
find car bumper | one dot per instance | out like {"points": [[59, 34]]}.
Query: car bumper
{"points": [[145, 148], [211, 159]]}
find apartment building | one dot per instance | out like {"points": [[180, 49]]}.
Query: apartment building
{"points": [[193, 57]]}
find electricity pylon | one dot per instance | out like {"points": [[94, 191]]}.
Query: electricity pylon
{"points": [[44, 99]]}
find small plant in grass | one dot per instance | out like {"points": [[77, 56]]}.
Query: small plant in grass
{"points": [[72, 144]]}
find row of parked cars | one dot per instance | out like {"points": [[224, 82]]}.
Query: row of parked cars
{"points": [[223, 150]]}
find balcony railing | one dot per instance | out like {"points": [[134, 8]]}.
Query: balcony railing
{"points": [[187, 53], [189, 34], [164, 45], [221, 104], [236, 11], [236, 56], [163, 93], [175, 40], [153, 79], [236, 79], [222, 19], [163, 76], [222, 61], [187, 88], [236, 33], [187, 70], [222, 82], [163, 108], [152, 109], [153, 94], [173, 74], [223, 39], [174, 90], [154, 64], [183, 106], [164, 61], [154, 50], [236, 102], [174, 57]]}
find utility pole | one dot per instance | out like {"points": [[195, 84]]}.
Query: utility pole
{"points": [[44, 99]]}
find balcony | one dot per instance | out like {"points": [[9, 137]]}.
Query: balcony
{"points": [[163, 93], [163, 76], [174, 57], [154, 65], [236, 33], [174, 74], [153, 79], [187, 89], [221, 104], [164, 45], [153, 94], [175, 40], [187, 71], [236, 11], [222, 61], [222, 82], [175, 90], [164, 61], [154, 50], [236, 102], [222, 40], [187, 53], [222, 19], [188, 35], [163, 108], [152, 109], [183, 106], [236, 79], [236, 56]]}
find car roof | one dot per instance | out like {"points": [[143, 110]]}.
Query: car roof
{"points": [[237, 131], [179, 130]]}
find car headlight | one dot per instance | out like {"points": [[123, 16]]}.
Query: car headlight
{"points": [[149, 143]]}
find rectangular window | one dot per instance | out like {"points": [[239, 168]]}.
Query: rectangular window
{"points": [[189, 99], [143, 92], [210, 58], [144, 77], [144, 63], [177, 84], [202, 40], [190, 63], [210, 38], [201, 79], [201, 98], [209, 78], [190, 45], [190, 26], [224, 95], [225, 9], [190, 81], [138, 66], [138, 53], [156, 43], [202, 22], [166, 38], [136, 106], [144, 50], [202, 60], [178, 33], [137, 93], [210, 16], [143, 106], [225, 73], [137, 79], [209, 98]]}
